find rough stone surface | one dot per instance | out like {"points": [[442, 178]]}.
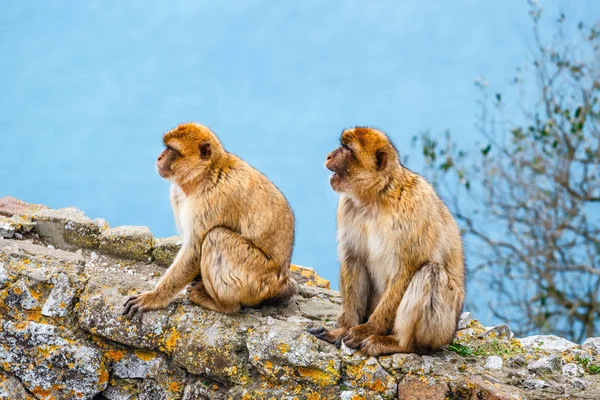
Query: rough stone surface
{"points": [[165, 250], [546, 365], [546, 342], [464, 321], [67, 228], [593, 344], [134, 242], [62, 336], [493, 362]]}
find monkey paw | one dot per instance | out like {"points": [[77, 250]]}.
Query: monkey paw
{"points": [[334, 336], [194, 285], [143, 302], [357, 334], [370, 347]]}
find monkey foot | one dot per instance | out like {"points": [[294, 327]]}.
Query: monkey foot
{"points": [[333, 337]]}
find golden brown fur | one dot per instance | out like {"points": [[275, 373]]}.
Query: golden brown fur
{"points": [[237, 229], [402, 272]]}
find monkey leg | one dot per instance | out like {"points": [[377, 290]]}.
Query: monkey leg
{"points": [[235, 274], [426, 318]]}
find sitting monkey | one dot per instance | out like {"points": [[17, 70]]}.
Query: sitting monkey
{"points": [[402, 266], [237, 229]]}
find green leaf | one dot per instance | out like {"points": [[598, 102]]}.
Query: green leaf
{"points": [[486, 150]]}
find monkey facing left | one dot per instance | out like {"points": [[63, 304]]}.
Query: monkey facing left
{"points": [[237, 229]]}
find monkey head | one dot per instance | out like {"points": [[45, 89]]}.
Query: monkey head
{"points": [[365, 155], [191, 149]]}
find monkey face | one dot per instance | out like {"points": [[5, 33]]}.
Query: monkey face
{"points": [[361, 158], [190, 149], [338, 161]]}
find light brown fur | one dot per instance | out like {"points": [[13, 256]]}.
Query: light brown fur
{"points": [[237, 229], [402, 272]]}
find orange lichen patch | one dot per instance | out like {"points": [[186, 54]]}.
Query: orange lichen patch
{"points": [[114, 355], [145, 355], [171, 340], [17, 290], [376, 385], [317, 376], [45, 351], [42, 393], [175, 387], [103, 375], [314, 396], [324, 283], [283, 348], [21, 325]]}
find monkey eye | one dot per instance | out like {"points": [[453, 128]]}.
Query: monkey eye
{"points": [[347, 148]]}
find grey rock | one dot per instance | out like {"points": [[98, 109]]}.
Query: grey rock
{"points": [[593, 344], [12, 389], [6, 230], [546, 365], [464, 321], [572, 370], [500, 332], [580, 384], [516, 361], [132, 242], [370, 372], [273, 348], [60, 297], [317, 309], [493, 362], [66, 228], [165, 250], [533, 384], [18, 296], [62, 368], [546, 343], [3, 275]]}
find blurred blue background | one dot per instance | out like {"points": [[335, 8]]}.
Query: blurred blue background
{"points": [[87, 88]]}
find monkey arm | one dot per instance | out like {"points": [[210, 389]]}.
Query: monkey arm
{"points": [[355, 287], [382, 319], [183, 270]]}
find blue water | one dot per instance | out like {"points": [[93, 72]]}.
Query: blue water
{"points": [[87, 88]]}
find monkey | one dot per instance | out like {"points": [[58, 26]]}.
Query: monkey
{"points": [[237, 229], [402, 274]]}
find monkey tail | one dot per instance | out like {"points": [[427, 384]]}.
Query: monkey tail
{"points": [[284, 295]]}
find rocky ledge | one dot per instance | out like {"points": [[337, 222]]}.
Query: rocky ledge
{"points": [[64, 278]]}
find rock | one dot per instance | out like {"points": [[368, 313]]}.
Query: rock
{"points": [[203, 389], [165, 250], [580, 384], [11, 388], [284, 352], [66, 228], [60, 297], [546, 365], [9, 206], [401, 364], [6, 230], [308, 276], [140, 364], [546, 343], [3, 275], [318, 309], [500, 332], [486, 388], [63, 369], [210, 343], [464, 321], [516, 361], [493, 362], [572, 370], [532, 384], [372, 378], [132, 242], [415, 388], [18, 296], [593, 344], [100, 313]]}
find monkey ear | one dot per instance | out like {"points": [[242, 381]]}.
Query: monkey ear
{"points": [[382, 158], [205, 150]]}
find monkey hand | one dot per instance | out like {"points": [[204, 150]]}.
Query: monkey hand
{"points": [[334, 336], [355, 335], [143, 302]]}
